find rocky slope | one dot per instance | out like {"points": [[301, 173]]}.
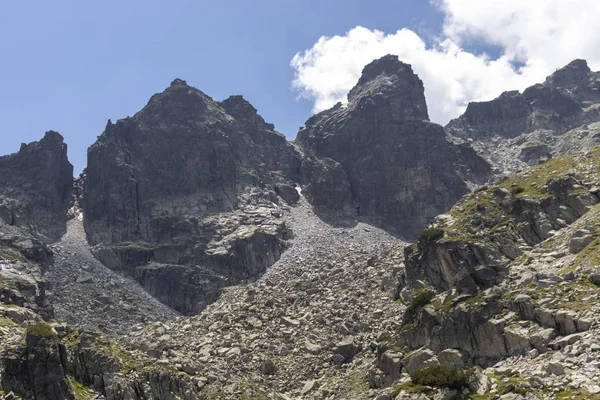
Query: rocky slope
{"points": [[507, 281], [380, 159], [558, 116], [193, 204], [85, 292]]}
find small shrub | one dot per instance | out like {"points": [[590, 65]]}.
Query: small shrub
{"points": [[421, 297], [440, 376], [430, 235], [42, 329]]}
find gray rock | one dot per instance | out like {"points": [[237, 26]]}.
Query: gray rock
{"points": [[419, 359], [373, 154], [35, 187], [580, 240]]}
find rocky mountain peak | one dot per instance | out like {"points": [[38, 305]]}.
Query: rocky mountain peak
{"points": [[576, 72], [388, 80], [558, 116], [179, 82], [242, 110]]}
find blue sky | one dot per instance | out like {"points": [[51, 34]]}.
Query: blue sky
{"points": [[71, 65]]}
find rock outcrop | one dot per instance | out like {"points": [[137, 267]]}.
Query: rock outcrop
{"points": [[507, 274], [379, 159], [182, 197], [559, 116], [35, 187]]}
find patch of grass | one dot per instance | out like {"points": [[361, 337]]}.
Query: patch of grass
{"points": [[440, 376], [6, 322], [431, 235], [566, 270], [11, 255], [81, 391], [444, 306], [569, 393], [530, 183], [42, 329], [407, 387], [475, 300], [134, 246], [114, 350], [420, 298], [590, 255]]}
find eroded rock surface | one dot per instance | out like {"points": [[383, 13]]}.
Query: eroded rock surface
{"points": [[379, 157], [558, 116], [181, 196], [35, 187]]}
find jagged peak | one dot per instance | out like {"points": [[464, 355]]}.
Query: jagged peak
{"points": [[388, 77], [179, 82], [575, 72], [238, 102], [387, 65], [242, 110]]}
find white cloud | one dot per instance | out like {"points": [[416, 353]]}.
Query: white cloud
{"points": [[542, 35]]}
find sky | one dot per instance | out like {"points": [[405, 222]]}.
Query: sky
{"points": [[70, 65]]}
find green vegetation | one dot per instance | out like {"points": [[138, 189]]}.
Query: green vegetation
{"points": [[530, 183], [569, 393], [42, 329], [80, 390], [11, 255], [566, 270], [475, 300], [440, 376], [407, 387], [113, 350], [6, 321], [431, 235], [590, 255], [420, 298], [134, 246], [445, 305]]}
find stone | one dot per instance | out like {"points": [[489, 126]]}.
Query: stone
{"points": [[268, 367], [308, 387], [419, 359], [580, 240], [555, 368], [452, 358], [346, 348]]}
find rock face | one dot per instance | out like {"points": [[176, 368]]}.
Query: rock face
{"points": [[35, 187], [171, 191], [379, 159], [559, 116], [502, 262]]}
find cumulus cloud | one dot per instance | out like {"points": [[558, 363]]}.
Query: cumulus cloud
{"points": [[535, 38]]}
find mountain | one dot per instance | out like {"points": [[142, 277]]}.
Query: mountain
{"points": [[182, 195], [202, 256], [559, 116], [385, 162], [35, 187]]}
